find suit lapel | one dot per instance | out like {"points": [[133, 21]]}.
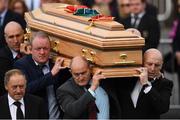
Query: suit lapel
{"points": [[141, 22], [36, 68], [9, 54], [78, 90], [6, 109], [27, 107], [141, 94]]}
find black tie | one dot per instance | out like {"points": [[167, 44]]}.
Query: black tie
{"points": [[19, 113], [134, 25], [87, 86], [41, 67], [18, 56]]}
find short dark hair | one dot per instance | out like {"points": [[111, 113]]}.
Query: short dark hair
{"points": [[10, 73], [143, 1]]}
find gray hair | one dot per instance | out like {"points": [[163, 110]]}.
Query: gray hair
{"points": [[40, 34]]}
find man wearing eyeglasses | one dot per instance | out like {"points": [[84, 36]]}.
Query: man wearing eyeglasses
{"points": [[11, 52], [82, 97]]}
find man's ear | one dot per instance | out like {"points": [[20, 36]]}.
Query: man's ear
{"points": [[6, 87]]}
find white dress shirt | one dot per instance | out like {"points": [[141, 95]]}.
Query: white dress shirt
{"points": [[32, 4], [136, 91], [3, 16], [14, 53], [13, 108], [140, 15]]}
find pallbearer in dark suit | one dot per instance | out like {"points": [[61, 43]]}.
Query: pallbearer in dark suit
{"points": [[150, 95], [43, 76], [79, 101], [148, 25], [11, 52], [18, 105]]}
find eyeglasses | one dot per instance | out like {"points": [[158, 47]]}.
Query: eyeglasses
{"points": [[124, 5]]}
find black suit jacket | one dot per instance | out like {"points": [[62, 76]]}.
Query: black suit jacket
{"points": [[176, 40], [150, 105], [36, 81], [6, 63], [149, 28], [10, 16], [74, 100], [34, 108]]}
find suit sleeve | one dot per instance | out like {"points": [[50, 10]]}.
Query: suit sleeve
{"points": [[154, 34], [160, 100], [37, 84], [176, 40], [5, 65], [71, 106], [43, 112]]}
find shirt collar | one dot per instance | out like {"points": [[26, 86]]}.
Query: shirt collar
{"points": [[140, 15], [11, 100], [36, 63], [14, 53], [156, 78], [3, 14]]}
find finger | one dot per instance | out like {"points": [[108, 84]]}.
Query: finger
{"points": [[98, 72], [61, 61], [58, 59], [139, 70], [145, 69], [136, 75], [101, 77], [62, 67]]}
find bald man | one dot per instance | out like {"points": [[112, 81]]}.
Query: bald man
{"points": [[76, 98], [150, 96], [13, 33], [7, 16]]}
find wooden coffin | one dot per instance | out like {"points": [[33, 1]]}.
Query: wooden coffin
{"points": [[106, 44]]}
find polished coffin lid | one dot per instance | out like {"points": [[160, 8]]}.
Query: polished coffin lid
{"points": [[104, 36]]}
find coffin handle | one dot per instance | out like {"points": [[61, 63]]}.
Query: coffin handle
{"points": [[123, 61], [89, 55]]}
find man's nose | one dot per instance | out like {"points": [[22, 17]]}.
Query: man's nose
{"points": [[152, 67], [41, 50], [18, 89], [15, 39]]}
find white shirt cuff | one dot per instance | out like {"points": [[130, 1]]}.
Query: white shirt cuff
{"points": [[92, 92], [147, 89]]}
